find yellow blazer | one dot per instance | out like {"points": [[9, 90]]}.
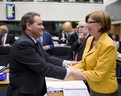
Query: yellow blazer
{"points": [[100, 64]]}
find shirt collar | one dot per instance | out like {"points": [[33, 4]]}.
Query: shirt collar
{"points": [[35, 41]]}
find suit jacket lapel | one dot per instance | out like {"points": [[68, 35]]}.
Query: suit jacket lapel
{"points": [[101, 39], [40, 50], [43, 38], [84, 42]]}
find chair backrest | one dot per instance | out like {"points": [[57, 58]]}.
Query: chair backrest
{"points": [[63, 52], [4, 55]]}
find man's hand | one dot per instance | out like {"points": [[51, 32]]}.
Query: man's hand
{"points": [[46, 47], [81, 37], [5, 45]]}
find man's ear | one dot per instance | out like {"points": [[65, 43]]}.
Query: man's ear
{"points": [[28, 25]]}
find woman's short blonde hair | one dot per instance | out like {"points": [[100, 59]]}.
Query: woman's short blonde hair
{"points": [[101, 17], [4, 28]]}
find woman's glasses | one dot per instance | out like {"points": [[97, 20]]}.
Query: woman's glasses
{"points": [[89, 22]]}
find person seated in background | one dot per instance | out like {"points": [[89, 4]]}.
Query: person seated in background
{"points": [[79, 45], [62, 37], [71, 31], [46, 41], [73, 37], [116, 40], [6, 39]]}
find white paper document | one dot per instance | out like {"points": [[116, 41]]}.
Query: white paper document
{"points": [[75, 93], [55, 85], [52, 79], [74, 85]]}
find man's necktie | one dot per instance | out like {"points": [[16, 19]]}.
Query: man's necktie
{"points": [[40, 49]]}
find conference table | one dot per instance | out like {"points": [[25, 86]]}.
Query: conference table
{"points": [[4, 85]]}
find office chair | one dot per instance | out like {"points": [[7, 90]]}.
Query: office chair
{"points": [[4, 55], [62, 52]]}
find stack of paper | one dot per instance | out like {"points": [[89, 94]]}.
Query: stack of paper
{"points": [[55, 85], [70, 88], [75, 93], [75, 88], [74, 85]]}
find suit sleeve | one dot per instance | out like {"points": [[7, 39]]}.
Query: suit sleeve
{"points": [[74, 46], [12, 40], [51, 45], [27, 56]]}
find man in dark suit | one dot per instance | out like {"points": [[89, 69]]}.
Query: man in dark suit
{"points": [[73, 38], [79, 45], [6, 39], [29, 63], [46, 41]]}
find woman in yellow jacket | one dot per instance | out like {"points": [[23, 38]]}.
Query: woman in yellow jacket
{"points": [[99, 57]]}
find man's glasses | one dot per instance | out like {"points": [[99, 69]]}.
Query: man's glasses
{"points": [[89, 22], [80, 27]]}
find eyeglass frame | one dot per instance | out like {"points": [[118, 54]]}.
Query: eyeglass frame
{"points": [[90, 22]]}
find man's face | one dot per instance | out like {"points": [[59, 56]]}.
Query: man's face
{"points": [[36, 28], [82, 28], [1, 31]]}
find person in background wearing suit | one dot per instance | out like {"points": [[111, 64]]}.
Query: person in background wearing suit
{"points": [[79, 45], [46, 41], [73, 38], [6, 39], [62, 37], [30, 64], [99, 57]]}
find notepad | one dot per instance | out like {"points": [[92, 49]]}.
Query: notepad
{"points": [[76, 93], [74, 85], [2, 68]]}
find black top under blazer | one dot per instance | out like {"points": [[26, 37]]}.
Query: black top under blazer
{"points": [[29, 66]]}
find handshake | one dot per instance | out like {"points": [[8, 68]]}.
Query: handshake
{"points": [[76, 73]]}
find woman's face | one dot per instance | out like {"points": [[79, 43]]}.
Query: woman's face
{"points": [[94, 26]]}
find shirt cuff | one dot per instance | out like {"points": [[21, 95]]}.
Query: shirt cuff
{"points": [[49, 46], [66, 62], [63, 63], [68, 72]]}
